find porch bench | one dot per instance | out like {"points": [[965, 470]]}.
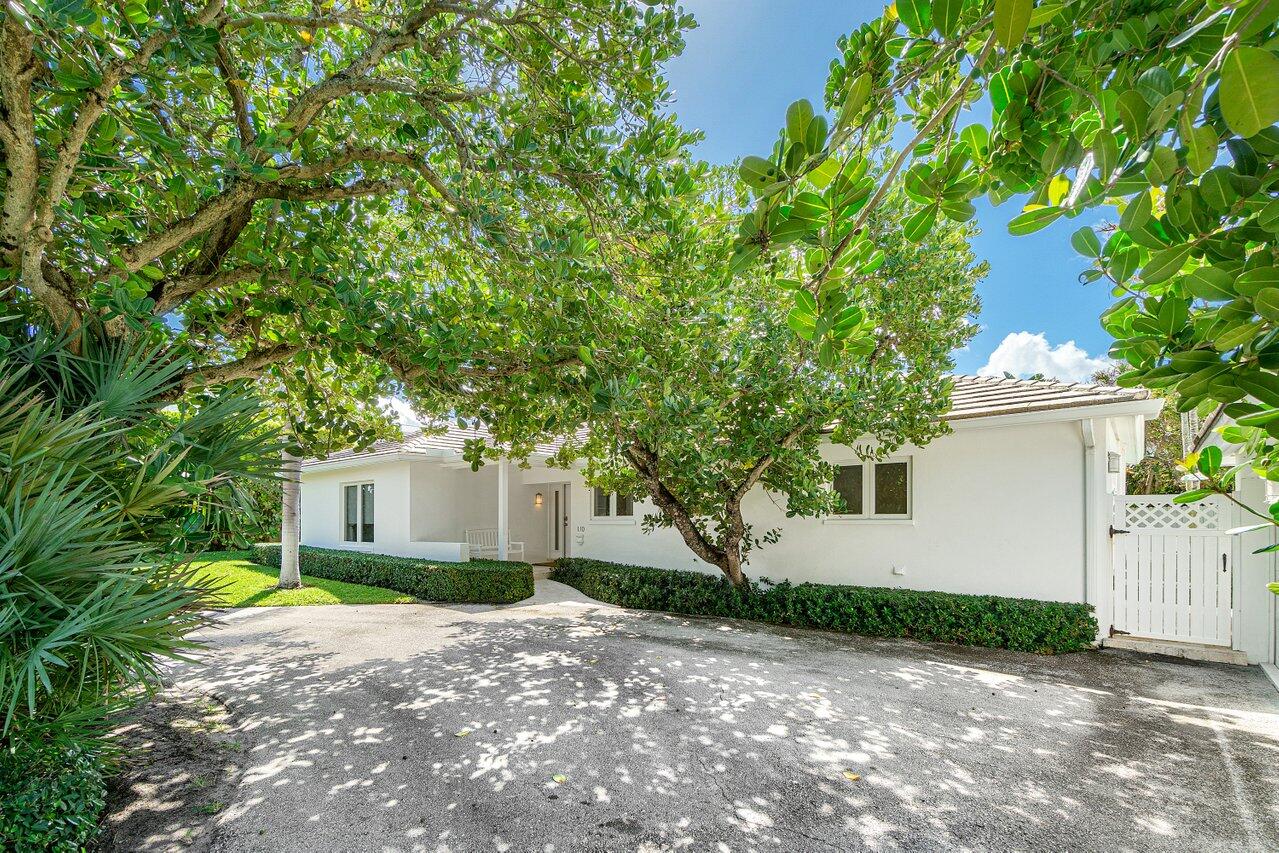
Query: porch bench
{"points": [[483, 544]]}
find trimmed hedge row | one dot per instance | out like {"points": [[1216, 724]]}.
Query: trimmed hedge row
{"points": [[476, 582], [1046, 627]]}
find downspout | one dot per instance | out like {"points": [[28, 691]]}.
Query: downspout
{"points": [[1088, 431]]}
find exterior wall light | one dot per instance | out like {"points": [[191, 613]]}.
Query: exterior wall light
{"points": [[537, 500]]}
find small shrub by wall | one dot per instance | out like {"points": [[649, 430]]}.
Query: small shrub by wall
{"points": [[476, 582], [1046, 627], [51, 796]]}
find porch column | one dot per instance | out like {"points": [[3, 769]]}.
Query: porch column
{"points": [[503, 510]]}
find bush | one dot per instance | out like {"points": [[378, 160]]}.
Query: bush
{"points": [[51, 796], [105, 488], [1046, 627], [476, 582]]}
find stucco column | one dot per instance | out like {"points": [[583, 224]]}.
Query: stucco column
{"points": [[503, 509]]}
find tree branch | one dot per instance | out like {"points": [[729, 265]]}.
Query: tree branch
{"points": [[173, 292], [94, 104], [645, 462], [17, 130], [249, 366], [233, 83]]}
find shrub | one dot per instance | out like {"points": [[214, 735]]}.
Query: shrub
{"points": [[476, 582], [104, 490], [1047, 627], [52, 795]]}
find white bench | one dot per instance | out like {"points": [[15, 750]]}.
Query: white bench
{"points": [[483, 542]]}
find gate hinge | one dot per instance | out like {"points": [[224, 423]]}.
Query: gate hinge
{"points": [[1114, 530]]}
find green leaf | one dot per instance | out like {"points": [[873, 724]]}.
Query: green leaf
{"points": [[946, 15], [1165, 264], [1032, 220], [1210, 283], [798, 115], [1123, 264], [825, 172], [801, 324], [1249, 90], [1086, 242], [1201, 149], [1137, 213], [1012, 17], [805, 303], [1192, 496], [1133, 112], [1210, 460], [1161, 166], [758, 172], [743, 258], [916, 15], [1217, 188], [858, 93], [919, 223], [585, 355], [958, 211], [1255, 280], [1267, 303]]}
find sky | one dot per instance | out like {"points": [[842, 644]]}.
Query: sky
{"points": [[749, 59]]}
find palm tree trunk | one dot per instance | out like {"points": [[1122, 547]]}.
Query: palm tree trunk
{"points": [[290, 535]]}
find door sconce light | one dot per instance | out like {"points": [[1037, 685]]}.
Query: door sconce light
{"points": [[537, 500], [1112, 463]]}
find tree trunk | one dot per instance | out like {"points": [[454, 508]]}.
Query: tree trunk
{"points": [[732, 567], [290, 535]]}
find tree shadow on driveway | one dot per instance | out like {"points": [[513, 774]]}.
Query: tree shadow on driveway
{"points": [[566, 726]]}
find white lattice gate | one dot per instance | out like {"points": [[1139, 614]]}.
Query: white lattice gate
{"points": [[1173, 567]]}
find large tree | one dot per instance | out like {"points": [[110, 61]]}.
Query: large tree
{"points": [[1164, 110], [692, 388], [236, 178]]}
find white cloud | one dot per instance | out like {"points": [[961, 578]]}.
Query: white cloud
{"points": [[402, 411], [1025, 354]]}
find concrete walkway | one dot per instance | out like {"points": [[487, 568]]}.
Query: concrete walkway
{"points": [[561, 724]]}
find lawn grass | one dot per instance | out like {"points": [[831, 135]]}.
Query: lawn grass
{"points": [[240, 582]]}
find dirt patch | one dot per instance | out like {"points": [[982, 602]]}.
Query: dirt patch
{"points": [[180, 766]]}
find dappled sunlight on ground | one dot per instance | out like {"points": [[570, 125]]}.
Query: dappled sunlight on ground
{"points": [[562, 725]]}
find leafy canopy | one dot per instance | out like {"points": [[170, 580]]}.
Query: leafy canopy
{"points": [[237, 179], [692, 387], [1165, 110]]}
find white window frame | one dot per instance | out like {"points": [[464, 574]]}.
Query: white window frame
{"points": [[359, 513], [868, 516], [612, 517]]}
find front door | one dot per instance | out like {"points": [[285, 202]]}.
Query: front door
{"points": [[557, 522]]}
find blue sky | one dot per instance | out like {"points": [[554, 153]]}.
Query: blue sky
{"points": [[749, 59]]}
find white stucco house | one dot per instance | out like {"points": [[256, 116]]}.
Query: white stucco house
{"points": [[1019, 500]]}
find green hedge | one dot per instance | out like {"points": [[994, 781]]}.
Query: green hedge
{"points": [[1047, 627], [51, 796], [476, 582]]}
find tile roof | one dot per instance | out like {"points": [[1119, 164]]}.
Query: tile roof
{"points": [[987, 396], [972, 397]]}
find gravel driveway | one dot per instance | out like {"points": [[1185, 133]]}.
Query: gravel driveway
{"points": [[561, 724]]}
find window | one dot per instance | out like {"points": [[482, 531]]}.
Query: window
{"points": [[611, 504], [884, 489], [357, 512]]}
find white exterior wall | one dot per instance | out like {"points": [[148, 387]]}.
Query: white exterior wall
{"points": [[392, 528], [994, 510], [997, 508], [420, 509]]}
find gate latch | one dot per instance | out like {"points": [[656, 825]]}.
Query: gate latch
{"points": [[1114, 530]]}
